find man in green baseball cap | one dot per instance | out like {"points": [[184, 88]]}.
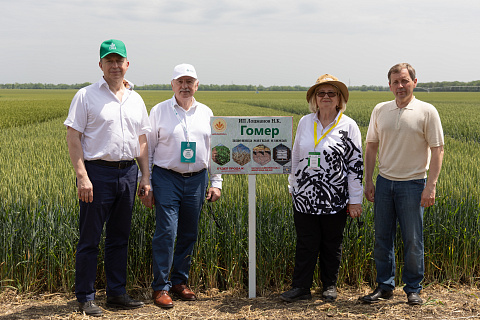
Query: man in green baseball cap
{"points": [[114, 64], [106, 134]]}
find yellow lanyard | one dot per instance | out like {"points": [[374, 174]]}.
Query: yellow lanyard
{"points": [[323, 136]]}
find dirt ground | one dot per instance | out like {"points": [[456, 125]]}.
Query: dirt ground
{"points": [[440, 302]]}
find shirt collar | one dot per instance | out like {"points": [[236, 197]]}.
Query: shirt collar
{"points": [[408, 106], [128, 85], [315, 117], [175, 103]]}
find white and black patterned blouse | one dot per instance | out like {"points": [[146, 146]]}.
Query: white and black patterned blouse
{"points": [[338, 180]]}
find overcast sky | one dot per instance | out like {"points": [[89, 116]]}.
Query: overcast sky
{"points": [[241, 41]]}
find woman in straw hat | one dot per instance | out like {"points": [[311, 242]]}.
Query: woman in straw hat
{"points": [[326, 186]]}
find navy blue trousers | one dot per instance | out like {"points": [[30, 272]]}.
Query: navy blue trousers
{"points": [[178, 202], [113, 198]]}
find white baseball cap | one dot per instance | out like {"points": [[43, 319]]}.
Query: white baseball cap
{"points": [[184, 69]]}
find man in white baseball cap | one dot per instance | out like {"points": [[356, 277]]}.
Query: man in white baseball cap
{"points": [[179, 152]]}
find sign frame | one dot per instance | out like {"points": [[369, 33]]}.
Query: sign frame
{"points": [[235, 152]]}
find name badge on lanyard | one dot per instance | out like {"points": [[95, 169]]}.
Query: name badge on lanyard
{"points": [[188, 149], [314, 158]]}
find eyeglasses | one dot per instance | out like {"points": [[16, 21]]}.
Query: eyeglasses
{"points": [[322, 94]]}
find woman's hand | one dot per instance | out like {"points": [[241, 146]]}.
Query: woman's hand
{"points": [[354, 210]]}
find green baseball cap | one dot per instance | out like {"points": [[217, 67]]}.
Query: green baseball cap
{"points": [[112, 46]]}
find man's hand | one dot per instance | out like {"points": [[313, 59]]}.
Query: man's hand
{"points": [[369, 191], [149, 200], [145, 192], [428, 197], [370, 158], [84, 185], [144, 188], [213, 194], [428, 194], [85, 189]]}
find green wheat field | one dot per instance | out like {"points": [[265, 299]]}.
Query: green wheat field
{"points": [[39, 210]]}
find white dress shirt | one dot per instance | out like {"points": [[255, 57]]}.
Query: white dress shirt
{"points": [[164, 141], [110, 127]]}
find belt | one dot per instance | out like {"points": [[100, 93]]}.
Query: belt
{"points": [[115, 164], [187, 174]]}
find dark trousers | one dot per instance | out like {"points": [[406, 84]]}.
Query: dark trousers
{"points": [[318, 237], [178, 202], [113, 198]]}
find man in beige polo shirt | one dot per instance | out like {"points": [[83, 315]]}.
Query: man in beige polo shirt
{"points": [[408, 136]]}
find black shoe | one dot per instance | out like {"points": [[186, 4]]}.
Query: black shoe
{"points": [[377, 295], [295, 294], [414, 298], [330, 293], [124, 302], [90, 309]]}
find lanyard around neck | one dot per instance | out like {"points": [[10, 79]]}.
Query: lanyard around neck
{"points": [[183, 124], [325, 134]]}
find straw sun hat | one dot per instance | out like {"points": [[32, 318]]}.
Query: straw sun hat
{"points": [[328, 79]]}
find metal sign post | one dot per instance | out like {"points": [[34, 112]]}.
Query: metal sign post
{"points": [[252, 243]]}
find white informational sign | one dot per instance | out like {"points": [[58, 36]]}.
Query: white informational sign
{"points": [[251, 145]]}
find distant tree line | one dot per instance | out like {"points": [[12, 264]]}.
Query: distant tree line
{"points": [[429, 86], [203, 87], [226, 87], [43, 86], [368, 88], [449, 86]]}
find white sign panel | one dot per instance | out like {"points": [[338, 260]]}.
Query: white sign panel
{"points": [[251, 145]]}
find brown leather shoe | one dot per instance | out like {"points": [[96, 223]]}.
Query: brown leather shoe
{"points": [[162, 299], [183, 292]]}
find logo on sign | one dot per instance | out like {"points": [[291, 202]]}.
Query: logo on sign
{"points": [[219, 125]]}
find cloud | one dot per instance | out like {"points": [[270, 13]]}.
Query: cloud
{"points": [[262, 42]]}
